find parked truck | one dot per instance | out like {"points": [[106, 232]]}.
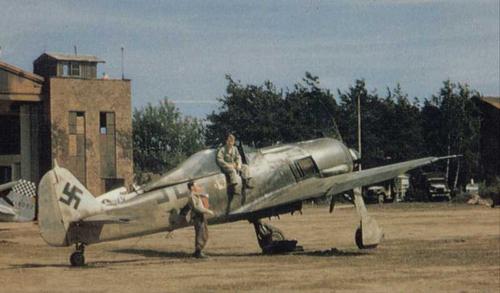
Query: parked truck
{"points": [[436, 187]]}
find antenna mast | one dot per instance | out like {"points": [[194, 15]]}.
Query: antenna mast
{"points": [[123, 66], [359, 126]]}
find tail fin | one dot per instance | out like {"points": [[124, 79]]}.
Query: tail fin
{"points": [[63, 200]]}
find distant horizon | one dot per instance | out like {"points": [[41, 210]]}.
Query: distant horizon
{"points": [[183, 50]]}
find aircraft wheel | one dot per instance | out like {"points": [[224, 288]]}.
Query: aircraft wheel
{"points": [[77, 259], [358, 237], [276, 234]]}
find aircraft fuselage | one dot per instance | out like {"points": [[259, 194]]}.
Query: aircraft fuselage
{"points": [[158, 207]]}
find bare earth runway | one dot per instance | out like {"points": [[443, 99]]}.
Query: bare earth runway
{"points": [[427, 247]]}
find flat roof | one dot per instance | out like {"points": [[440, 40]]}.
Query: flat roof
{"points": [[72, 57], [494, 101], [18, 71]]}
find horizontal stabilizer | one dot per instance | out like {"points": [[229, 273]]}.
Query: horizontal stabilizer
{"points": [[19, 204], [6, 210]]}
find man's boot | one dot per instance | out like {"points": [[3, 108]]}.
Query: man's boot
{"points": [[199, 254]]}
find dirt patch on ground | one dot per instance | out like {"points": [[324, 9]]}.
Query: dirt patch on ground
{"points": [[427, 247]]}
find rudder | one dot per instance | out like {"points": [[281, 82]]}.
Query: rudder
{"points": [[63, 200]]}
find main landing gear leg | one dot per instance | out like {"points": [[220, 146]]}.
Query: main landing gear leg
{"points": [[77, 259], [368, 234], [272, 241]]}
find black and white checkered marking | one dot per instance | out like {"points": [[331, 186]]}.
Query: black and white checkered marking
{"points": [[25, 187]]}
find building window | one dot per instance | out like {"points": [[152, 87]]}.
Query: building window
{"points": [[65, 69], [113, 183], [5, 174], [77, 144], [10, 134], [107, 144], [74, 69], [76, 122], [103, 128]]}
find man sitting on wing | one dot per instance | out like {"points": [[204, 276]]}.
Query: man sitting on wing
{"points": [[229, 160]]}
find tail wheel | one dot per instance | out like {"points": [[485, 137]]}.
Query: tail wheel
{"points": [[77, 259]]}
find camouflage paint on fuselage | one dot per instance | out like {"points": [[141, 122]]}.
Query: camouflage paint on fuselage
{"points": [[157, 206]]}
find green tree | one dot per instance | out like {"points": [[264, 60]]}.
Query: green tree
{"points": [[402, 127], [460, 129], [432, 130], [310, 111], [450, 125], [253, 113], [162, 138], [263, 115], [373, 123]]}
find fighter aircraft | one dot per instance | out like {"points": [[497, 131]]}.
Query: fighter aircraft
{"points": [[283, 177], [19, 204]]}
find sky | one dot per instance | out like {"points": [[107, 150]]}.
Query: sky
{"points": [[183, 49]]}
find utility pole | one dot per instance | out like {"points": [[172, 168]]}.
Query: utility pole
{"points": [[123, 65], [358, 191], [359, 128]]}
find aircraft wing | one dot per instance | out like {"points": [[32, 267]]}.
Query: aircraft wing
{"points": [[7, 186], [6, 210], [334, 184]]}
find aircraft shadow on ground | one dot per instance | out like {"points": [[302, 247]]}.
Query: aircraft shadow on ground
{"points": [[153, 253], [182, 254], [89, 265], [36, 265], [175, 254], [331, 252]]}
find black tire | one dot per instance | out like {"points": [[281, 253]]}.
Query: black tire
{"points": [[358, 238], [277, 236], [77, 259]]}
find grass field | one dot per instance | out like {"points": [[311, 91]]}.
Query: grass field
{"points": [[427, 247]]}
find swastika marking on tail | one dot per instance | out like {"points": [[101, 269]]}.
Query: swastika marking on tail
{"points": [[72, 194]]}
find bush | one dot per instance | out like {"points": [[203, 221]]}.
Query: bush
{"points": [[491, 190]]}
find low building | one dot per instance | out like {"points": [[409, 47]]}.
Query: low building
{"points": [[75, 118], [20, 105]]}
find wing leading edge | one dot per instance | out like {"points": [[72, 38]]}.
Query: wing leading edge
{"points": [[335, 184]]}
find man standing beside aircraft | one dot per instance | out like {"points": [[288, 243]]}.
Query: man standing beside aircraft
{"points": [[198, 202], [229, 160]]}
